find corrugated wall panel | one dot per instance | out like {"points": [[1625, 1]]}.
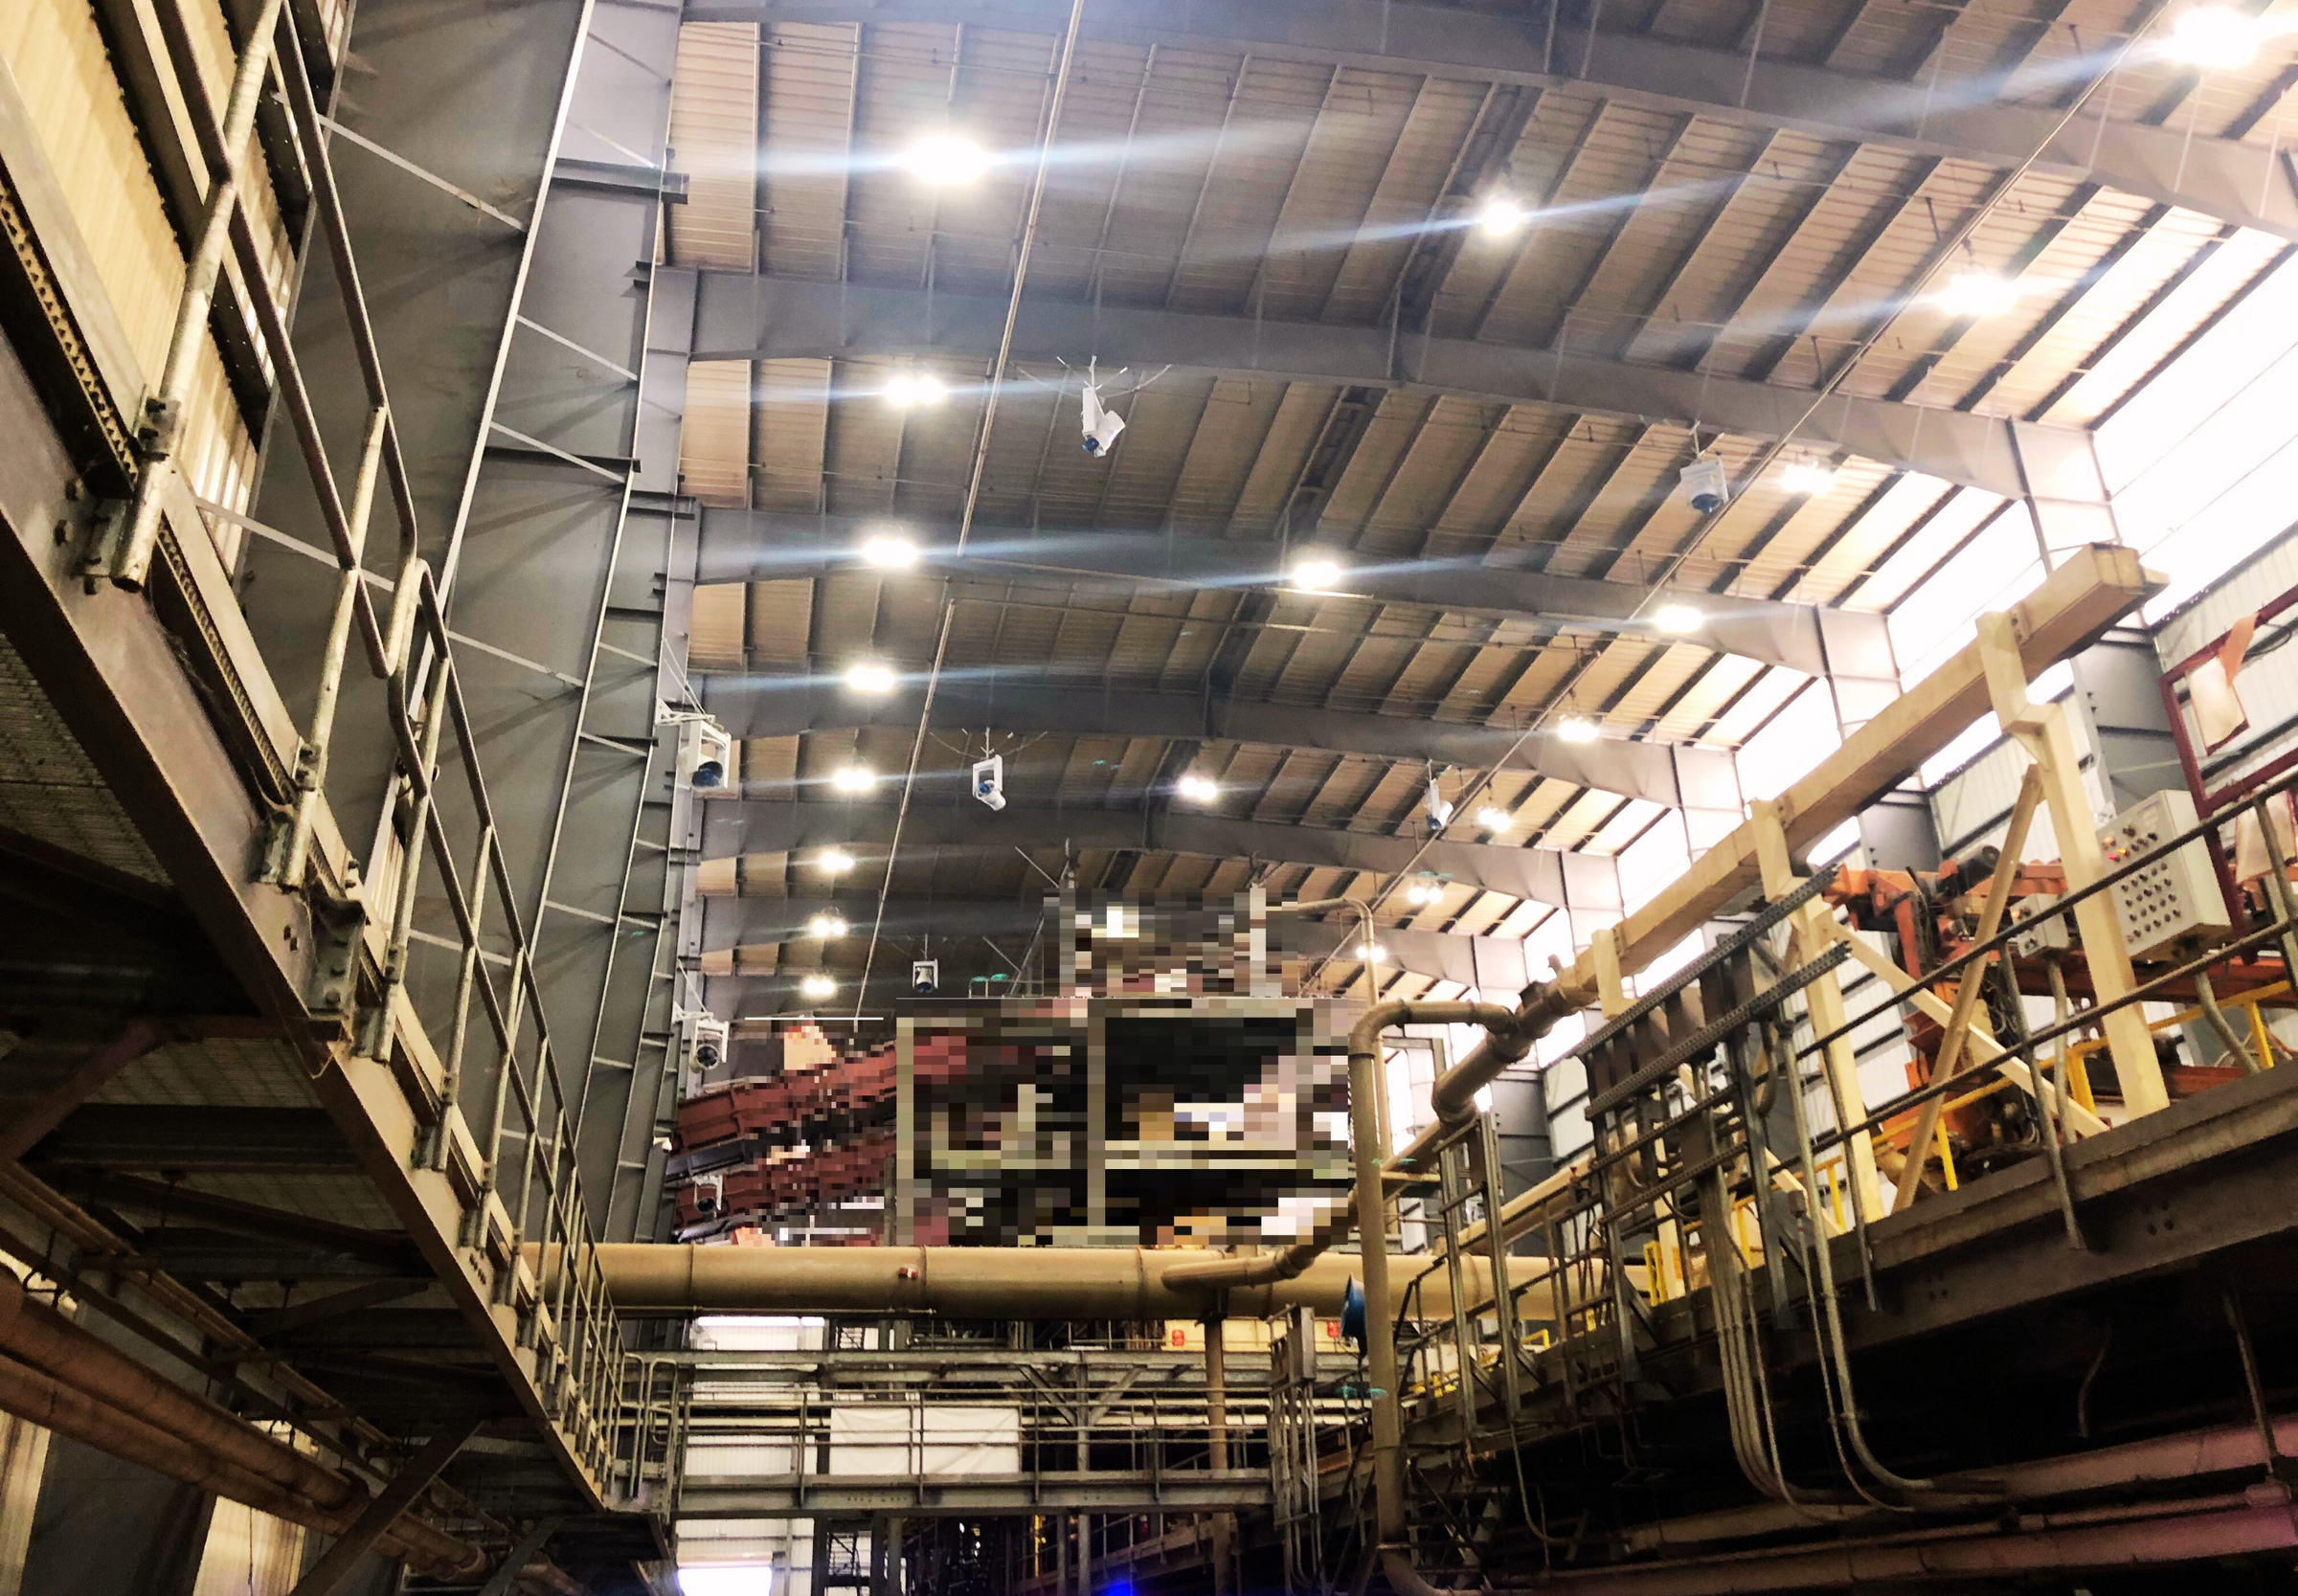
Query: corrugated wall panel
{"points": [[790, 427]]}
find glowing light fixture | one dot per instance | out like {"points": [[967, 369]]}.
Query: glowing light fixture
{"points": [[817, 986], [945, 160], [914, 388], [1492, 818], [1979, 294], [2215, 36], [855, 778], [835, 862], [869, 677], [1501, 215], [1806, 475], [1423, 892], [1316, 575], [826, 926], [1577, 729], [1372, 953], [889, 552], [1675, 619], [1198, 789]]}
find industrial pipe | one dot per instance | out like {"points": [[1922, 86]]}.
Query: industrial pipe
{"points": [[1216, 1443], [1363, 1040], [128, 1405], [965, 1282], [1509, 1034], [41, 1399], [2217, 1531], [2163, 1460]]}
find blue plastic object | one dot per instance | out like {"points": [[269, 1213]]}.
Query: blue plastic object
{"points": [[1352, 1312]]}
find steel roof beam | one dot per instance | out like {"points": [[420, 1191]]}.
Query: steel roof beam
{"points": [[1970, 119], [1676, 776], [742, 317], [745, 546], [1494, 963], [780, 826]]}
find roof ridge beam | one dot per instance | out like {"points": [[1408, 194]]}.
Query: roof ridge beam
{"points": [[774, 827], [2221, 178], [742, 317]]}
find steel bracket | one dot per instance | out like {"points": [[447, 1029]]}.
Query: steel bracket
{"points": [[103, 530], [337, 928], [279, 826]]}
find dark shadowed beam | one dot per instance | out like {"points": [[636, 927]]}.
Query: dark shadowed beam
{"points": [[744, 546], [1492, 962], [1675, 775], [774, 826]]}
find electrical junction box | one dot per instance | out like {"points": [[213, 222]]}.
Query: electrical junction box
{"points": [[2170, 903], [2034, 935]]}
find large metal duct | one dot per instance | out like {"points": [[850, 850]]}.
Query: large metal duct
{"points": [[980, 1282], [79, 1386]]}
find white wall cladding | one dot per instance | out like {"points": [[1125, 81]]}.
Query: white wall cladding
{"points": [[2207, 618], [745, 1557], [881, 1439]]}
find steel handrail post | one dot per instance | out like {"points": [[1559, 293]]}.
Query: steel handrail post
{"points": [[411, 869], [302, 107], [451, 1083], [505, 1067], [131, 561], [312, 762]]}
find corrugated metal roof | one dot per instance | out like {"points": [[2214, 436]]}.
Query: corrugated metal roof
{"points": [[714, 133], [1250, 186]]}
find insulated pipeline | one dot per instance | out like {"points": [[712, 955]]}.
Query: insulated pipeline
{"points": [[974, 1282], [80, 1386]]}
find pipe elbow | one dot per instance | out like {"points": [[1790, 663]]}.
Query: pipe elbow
{"points": [[1402, 1577], [1265, 1268], [1509, 1034]]}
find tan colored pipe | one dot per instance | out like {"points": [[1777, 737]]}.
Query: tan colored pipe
{"points": [[38, 1399], [1509, 1035], [970, 1282], [41, 1399], [140, 1404]]}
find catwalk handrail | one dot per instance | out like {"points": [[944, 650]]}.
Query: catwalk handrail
{"points": [[581, 1371], [2281, 928]]}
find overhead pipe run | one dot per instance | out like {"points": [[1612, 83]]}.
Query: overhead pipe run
{"points": [[70, 1382], [971, 1282]]}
